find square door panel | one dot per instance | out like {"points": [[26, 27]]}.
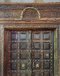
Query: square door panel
{"points": [[14, 46], [25, 54], [36, 35], [36, 54], [14, 36], [13, 74], [36, 46], [25, 73], [23, 36], [46, 35], [25, 64], [46, 55], [36, 64], [46, 46], [36, 73], [46, 73], [13, 56], [13, 66], [23, 45], [46, 64]]}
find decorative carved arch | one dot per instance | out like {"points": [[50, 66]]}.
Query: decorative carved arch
{"points": [[34, 10]]}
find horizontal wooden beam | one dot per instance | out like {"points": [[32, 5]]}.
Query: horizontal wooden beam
{"points": [[18, 21]]}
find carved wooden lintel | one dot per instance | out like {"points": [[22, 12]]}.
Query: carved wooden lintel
{"points": [[41, 21]]}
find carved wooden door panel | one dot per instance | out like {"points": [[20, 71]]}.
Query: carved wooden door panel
{"points": [[29, 53]]}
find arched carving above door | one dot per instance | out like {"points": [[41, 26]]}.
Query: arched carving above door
{"points": [[30, 13]]}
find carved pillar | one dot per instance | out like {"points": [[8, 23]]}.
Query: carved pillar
{"points": [[59, 50], [1, 49]]}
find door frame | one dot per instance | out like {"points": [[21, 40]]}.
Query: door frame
{"points": [[55, 46]]}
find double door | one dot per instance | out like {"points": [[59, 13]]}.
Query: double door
{"points": [[29, 53]]}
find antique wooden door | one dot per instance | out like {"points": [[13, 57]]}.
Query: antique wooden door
{"points": [[29, 53]]}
